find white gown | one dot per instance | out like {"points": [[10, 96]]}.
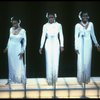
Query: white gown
{"points": [[83, 43], [52, 49], [16, 65]]}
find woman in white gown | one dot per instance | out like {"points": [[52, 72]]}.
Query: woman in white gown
{"points": [[16, 47], [53, 45], [84, 34]]}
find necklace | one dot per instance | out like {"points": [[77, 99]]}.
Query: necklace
{"points": [[85, 25], [16, 31]]}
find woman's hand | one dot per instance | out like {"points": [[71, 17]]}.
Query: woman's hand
{"points": [[98, 48], [62, 49], [20, 55], [5, 50], [77, 51], [40, 50]]}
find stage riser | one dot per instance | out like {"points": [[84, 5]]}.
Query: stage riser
{"points": [[39, 88], [49, 94]]}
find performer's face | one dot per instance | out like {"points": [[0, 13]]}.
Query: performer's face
{"points": [[85, 17], [51, 19], [15, 23]]}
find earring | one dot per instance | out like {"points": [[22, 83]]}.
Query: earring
{"points": [[79, 15], [46, 15], [55, 15], [11, 19]]}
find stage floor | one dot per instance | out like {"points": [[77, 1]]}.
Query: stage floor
{"points": [[66, 87]]}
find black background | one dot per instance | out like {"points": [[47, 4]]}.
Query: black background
{"points": [[32, 14]]}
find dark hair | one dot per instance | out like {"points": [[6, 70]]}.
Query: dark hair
{"points": [[50, 13], [84, 13], [14, 19], [81, 13]]}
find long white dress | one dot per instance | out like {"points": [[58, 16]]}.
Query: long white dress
{"points": [[52, 49], [16, 65], [83, 43]]}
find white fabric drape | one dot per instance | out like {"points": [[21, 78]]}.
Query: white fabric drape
{"points": [[52, 48], [83, 43], [16, 65]]}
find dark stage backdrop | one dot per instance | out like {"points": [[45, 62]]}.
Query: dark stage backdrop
{"points": [[33, 17]]}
